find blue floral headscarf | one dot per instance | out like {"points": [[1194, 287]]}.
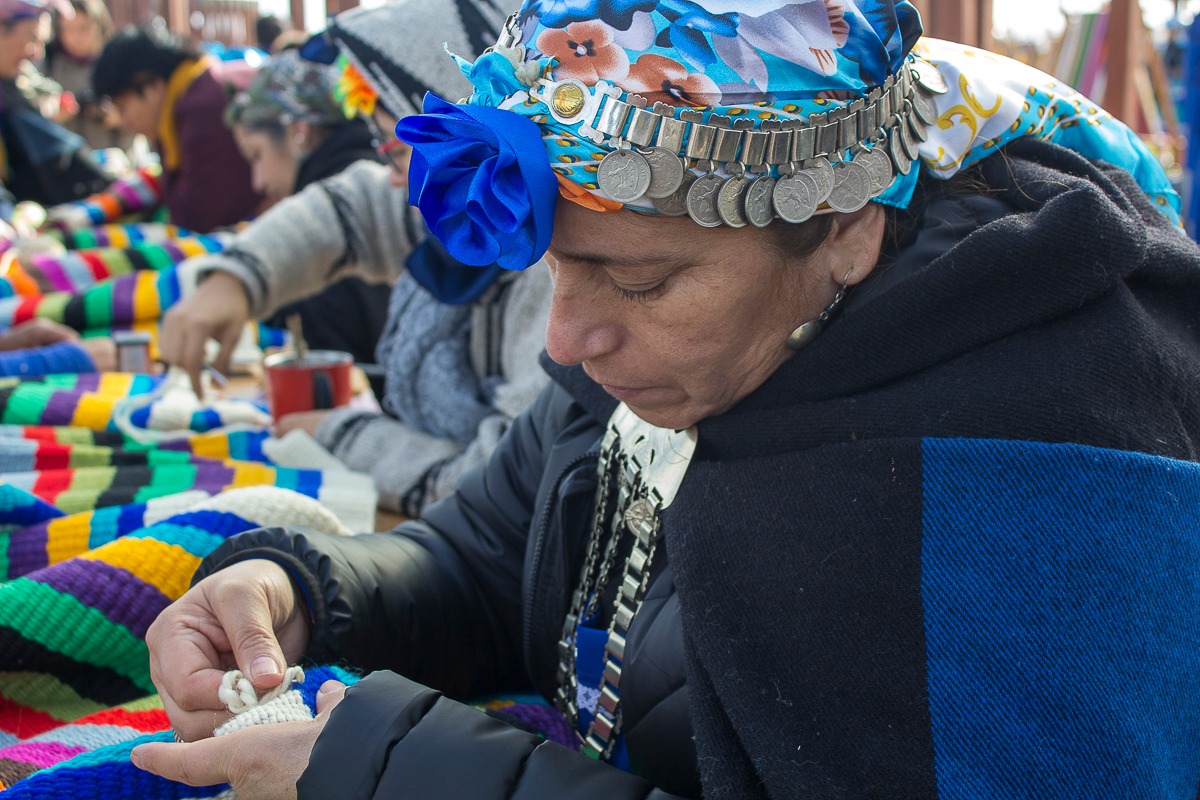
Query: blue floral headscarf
{"points": [[486, 173]]}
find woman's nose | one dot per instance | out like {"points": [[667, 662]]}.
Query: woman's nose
{"points": [[579, 329]]}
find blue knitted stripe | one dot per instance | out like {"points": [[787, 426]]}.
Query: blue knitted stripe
{"points": [[1060, 665], [106, 774]]}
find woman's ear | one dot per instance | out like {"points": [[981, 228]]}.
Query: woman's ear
{"points": [[853, 246]]}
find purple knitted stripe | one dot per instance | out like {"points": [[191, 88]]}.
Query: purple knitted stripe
{"points": [[540, 719], [122, 298], [54, 272], [112, 591], [60, 409], [212, 476], [87, 382], [27, 550]]}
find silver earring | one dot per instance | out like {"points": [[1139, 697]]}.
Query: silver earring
{"points": [[803, 336]]}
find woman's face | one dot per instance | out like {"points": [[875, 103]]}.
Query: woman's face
{"points": [[681, 322], [18, 42], [396, 152], [80, 36], [273, 165]]}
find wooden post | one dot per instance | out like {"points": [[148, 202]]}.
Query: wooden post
{"points": [[963, 21], [297, 12], [1124, 59]]}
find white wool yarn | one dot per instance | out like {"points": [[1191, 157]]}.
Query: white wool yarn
{"points": [[281, 704]]}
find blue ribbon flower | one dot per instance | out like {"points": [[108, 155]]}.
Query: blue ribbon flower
{"points": [[483, 182]]}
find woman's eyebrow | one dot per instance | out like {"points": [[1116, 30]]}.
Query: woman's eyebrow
{"points": [[620, 259]]}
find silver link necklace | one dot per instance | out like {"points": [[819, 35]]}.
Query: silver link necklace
{"points": [[647, 465]]}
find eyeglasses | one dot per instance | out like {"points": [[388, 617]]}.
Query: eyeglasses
{"points": [[394, 150]]}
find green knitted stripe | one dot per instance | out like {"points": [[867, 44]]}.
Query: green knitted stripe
{"points": [[54, 306], [84, 239], [62, 624], [68, 435], [98, 305], [168, 479], [157, 256], [4, 538], [170, 458], [46, 693], [26, 405], [82, 456], [117, 261]]}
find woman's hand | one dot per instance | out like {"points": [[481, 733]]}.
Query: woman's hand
{"points": [[262, 762], [103, 352], [217, 309], [36, 333], [244, 617], [307, 421]]}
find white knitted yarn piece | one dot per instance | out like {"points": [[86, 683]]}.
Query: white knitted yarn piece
{"points": [[298, 449], [160, 508], [281, 704], [272, 505], [171, 406]]}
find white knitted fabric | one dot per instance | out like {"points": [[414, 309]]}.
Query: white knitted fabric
{"points": [[172, 404], [271, 505], [300, 450], [281, 704]]}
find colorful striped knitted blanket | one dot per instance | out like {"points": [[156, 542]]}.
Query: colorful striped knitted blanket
{"points": [[72, 272], [72, 633], [138, 193]]}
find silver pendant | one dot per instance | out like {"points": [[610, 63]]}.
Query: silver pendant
{"points": [[675, 204], [795, 197], [729, 201], [906, 140], [851, 187], [880, 166], [821, 172], [928, 76], [899, 158], [803, 336], [925, 107], [623, 175], [666, 171], [759, 211], [702, 201], [917, 128]]}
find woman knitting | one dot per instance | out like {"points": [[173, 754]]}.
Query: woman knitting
{"points": [[868, 468], [460, 346], [292, 132]]}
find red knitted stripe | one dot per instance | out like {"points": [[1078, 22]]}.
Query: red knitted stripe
{"points": [[95, 264], [51, 483], [26, 309], [23, 721], [52, 456], [151, 720]]}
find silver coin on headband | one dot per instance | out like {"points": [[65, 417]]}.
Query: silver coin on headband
{"points": [[624, 175], [666, 171], [821, 172], [851, 187], [675, 204], [925, 107], [702, 201], [879, 165], [729, 201], [759, 208], [899, 157], [795, 197]]}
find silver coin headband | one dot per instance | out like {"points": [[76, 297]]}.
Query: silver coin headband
{"points": [[786, 169]]}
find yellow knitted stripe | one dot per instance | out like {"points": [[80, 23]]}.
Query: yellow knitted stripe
{"points": [[169, 567], [68, 536]]}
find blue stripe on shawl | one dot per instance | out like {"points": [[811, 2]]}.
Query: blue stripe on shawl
{"points": [[1061, 587]]}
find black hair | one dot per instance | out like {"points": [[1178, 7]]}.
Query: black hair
{"points": [[266, 31], [136, 57]]}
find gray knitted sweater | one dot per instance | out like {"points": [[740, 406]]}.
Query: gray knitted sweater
{"points": [[456, 375]]}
